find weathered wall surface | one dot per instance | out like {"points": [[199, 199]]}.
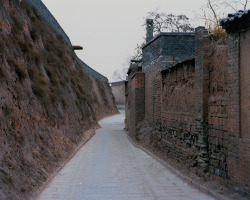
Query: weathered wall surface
{"points": [[118, 90], [244, 141], [238, 29], [45, 14], [92, 72], [197, 110], [135, 105], [105, 102], [178, 112], [238, 112], [162, 52], [217, 113], [245, 84], [47, 101]]}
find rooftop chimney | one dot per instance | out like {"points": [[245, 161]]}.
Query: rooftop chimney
{"points": [[150, 29]]}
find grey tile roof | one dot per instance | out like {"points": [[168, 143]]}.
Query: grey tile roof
{"points": [[233, 16]]}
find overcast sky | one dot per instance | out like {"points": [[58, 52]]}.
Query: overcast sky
{"points": [[109, 30]]}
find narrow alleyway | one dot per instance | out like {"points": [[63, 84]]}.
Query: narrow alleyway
{"points": [[110, 167]]}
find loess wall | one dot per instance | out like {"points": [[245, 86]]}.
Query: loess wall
{"points": [[47, 101], [178, 112]]}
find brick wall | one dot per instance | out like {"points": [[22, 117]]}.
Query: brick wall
{"points": [[238, 112], [178, 118], [238, 27], [202, 53], [135, 99], [233, 83], [151, 87], [167, 47], [244, 140], [159, 53], [217, 113], [197, 111]]}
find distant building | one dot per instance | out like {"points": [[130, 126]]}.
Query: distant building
{"points": [[118, 89]]}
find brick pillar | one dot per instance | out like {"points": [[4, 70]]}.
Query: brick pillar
{"points": [[135, 99], [139, 96], [202, 53], [233, 82]]}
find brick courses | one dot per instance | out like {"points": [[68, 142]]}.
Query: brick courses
{"points": [[135, 101], [197, 111]]}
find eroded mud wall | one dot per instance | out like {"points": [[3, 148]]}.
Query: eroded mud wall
{"points": [[47, 100]]}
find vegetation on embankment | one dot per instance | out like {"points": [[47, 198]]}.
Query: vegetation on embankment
{"points": [[47, 100]]}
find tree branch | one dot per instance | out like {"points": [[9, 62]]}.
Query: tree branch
{"points": [[212, 8], [245, 6], [230, 6]]}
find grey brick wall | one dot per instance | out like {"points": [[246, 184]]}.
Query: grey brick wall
{"points": [[167, 48]]}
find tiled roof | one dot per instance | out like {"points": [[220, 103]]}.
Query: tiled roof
{"points": [[237, 22], [233, 16]]}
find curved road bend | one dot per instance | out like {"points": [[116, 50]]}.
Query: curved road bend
{"points": [[109, 167]]}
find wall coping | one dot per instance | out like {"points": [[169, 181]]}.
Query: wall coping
{"points": [[168, 34], [174, 64], [118, 83]]}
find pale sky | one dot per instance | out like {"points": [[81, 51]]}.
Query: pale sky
{"points": [[109, 30]]}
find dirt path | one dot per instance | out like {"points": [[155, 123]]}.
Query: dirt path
{"points": [[110, 167]]}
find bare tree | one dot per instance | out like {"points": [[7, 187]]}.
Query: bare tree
{"points": [[217, 9], [220, 8], [169, 22], [138, 52], [121, 73], [235, 5]]}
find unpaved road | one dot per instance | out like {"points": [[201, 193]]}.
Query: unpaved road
{"points": [[109, 167]]}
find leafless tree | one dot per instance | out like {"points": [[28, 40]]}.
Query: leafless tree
{"points": [[214, 10], [120, 75], [138, 52], [220, 8], [236, 4], [164, 22], [217, 9]]}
